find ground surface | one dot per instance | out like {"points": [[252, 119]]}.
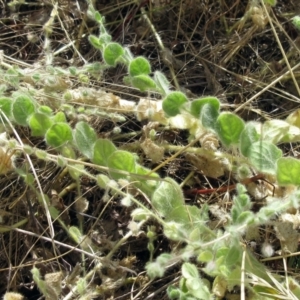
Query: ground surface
{"points": [[221, 48]]}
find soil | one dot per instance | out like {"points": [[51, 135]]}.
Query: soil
{"points": [[222, 48]]}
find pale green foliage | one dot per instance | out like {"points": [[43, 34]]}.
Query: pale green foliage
{"points": [[219, 251]]}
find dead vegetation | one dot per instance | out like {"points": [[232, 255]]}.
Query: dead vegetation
{"points": [[239, 51]]}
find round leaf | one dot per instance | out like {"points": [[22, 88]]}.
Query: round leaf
{"points": [[123, 161], [189, 270], [229, 128], [196, 105], [112, 52], [85, 138], [103, 148], [39, 123], [167, 197], [139, 66], [263, 156], [288, 171], [22, 108], [58, 134], [173, 102]]}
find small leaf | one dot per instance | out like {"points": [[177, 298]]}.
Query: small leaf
{"points": [[95, 42], [245, 217], [189, 270], [22, 108], [288, 171], [167, 197], [85, 138], [76, 170], [105, 38], [98, 18], [209, 115], [162, 83], [249, 136], [173, 103], [123, 161], [143, 82], [58, 134], [296, 22], [229, 128], [233, 255], [205, 256], [59, 117], [112, 53], [196, 105], [103, 148], [139, 66], [263, 156], [75, 233], [44, 109], [219, 287], [39, 124], [270, 2], [5, 107]]}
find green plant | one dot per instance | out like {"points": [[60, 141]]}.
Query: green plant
{"points": [[205, 251]]}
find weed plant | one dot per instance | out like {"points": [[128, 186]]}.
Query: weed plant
{"points": [[213, 259]]}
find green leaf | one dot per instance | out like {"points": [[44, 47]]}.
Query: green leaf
{"points": [[245, 217], [98, 18], [279, 131], [95, 42], [147, 186], [112, 53], [68, 151], [229, 128], [288, 171], [105, 38], [22, 108], [197, 105], [263, 156], [123, 161], [233, 255], [162, 83], [139, 66], [143, 82], [296, 22], [75, 234], [205, 256], [189, 270], [60, 117], [85, 138], [167, 197], [39, 124], [103, 148], [208, 116], [270, 2], [5, 107], [13, 77], [76, 170], [197, 289], [44, 109], [58, 134], [249, 136], [173, 103]]}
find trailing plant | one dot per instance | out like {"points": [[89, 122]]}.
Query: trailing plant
{"points": [[204, 250]]}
